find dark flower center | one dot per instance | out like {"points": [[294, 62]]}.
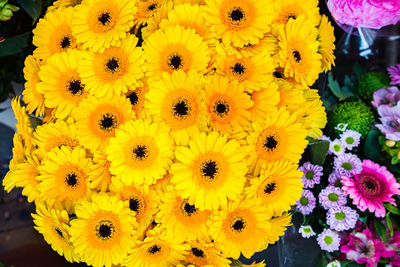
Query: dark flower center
{"points": [[189, 209], [291, 17], [278, 75], [154, 249], [197, 252], [238, 225], [134, 204], [236, 14], [152, 7], [269, 188], [238, 68], [310, 175], [104, 18], [296, 55], [75, 87], [71, 179], [210, 169], [108, 122], [133, 97], [112, 64], [270, 143], [181, 108], [304, 201], [221, 108], [140, 152], [371, 186], [175, 62], [65, 42], [105, 229]]}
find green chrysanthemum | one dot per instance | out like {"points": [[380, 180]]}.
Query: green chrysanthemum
{"points": [[355, 114], [369, 82]]}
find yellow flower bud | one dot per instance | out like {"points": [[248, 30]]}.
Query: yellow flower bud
{"points": [[390, 143]]}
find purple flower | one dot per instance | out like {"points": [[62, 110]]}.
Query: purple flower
{"points": [[328, 240], [311, 174], [350, 139], [386, 96], [333, 177], [307, 202], [336, 147], [347, 164], [332, 197], [394, 73], [324, 137], [341, 218], [390, 119]]}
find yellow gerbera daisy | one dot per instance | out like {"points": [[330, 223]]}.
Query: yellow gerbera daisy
{"points": [[141, 152], [299, 51], [312, 116], [177, 99], [24, 126], [96, 120], [268, 44], [242, 228], [290, 97], [253, 72], [210, 171], [53, 225], [278, 227], [53, 33], [278, 137], [326, 38], [99, 24], [137, 97], [101, 172], [203, 253], [145, 9], [182, 220], [111, 72], [240, 21], [18, 151], [278, 186], [227, 104], [156, 250], [61, 83], [33, 99], [153, 22], [265, 102], [292, 9], [175, 48], [103, 232], [63, 4], [142, 202], [65, 175]]}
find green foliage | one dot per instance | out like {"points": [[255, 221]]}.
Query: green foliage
{"points": [[32, 7], [372, 148], [14, 45], [344, 92], [369, 82], [357, 115], [319, 150]]}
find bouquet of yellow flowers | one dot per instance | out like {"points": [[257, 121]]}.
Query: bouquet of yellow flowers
{"points": [[163, 133]]}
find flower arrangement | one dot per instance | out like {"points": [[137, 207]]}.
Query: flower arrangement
{"points": [[168, 132]]}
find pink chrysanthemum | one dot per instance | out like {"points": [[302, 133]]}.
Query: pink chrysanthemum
{"points": [[394, 73], [371, 187]]}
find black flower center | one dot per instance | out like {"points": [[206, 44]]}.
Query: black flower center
{"points": [[221, 108], [152, 7], [238, 69], [189, 209], [270, 143], [104, 18], [291, 17], [112, 64], [269, 188], [134, 204], [238, 225], [59, 232], [71, 179], [105, 229], [175, 62], [108, 122], [278, 75], [236, 14], [65, 42], [296, 55], [371, 187], [210, 169], [75, 87], [181, 108], [140, 152], [133, 97], [154, 249], [197, 252]]}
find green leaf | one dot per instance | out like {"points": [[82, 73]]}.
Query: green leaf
{"points": [[389, 224], [392, 209], [348, 83], [341, 93], [32, 7], [319, 150], [363, 219], [14, 45], [380, 229], [372, 149], [358, 70], [395, 160]]}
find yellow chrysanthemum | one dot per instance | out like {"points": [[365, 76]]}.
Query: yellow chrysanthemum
{"points": [[292, 9], [265, 102], [182, 220], [278, 186], [177, 99], [326, 38], [96, 120], [137, 97], [33, 99], [104, 226], [65, 176], [111, 72], [61, 83], [241, 228], [240, 21], [278, 137], [53, 33], [145, 9], [189, 16], [210, 171], [205, 254], [227, 104], [101, 172], [24, 175], [99, 24], [141, 201], [175, 48], [299, 55], [24, 126], [253, 72], [156, 250], [53, 225], [312, 116], [141, 152]]}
